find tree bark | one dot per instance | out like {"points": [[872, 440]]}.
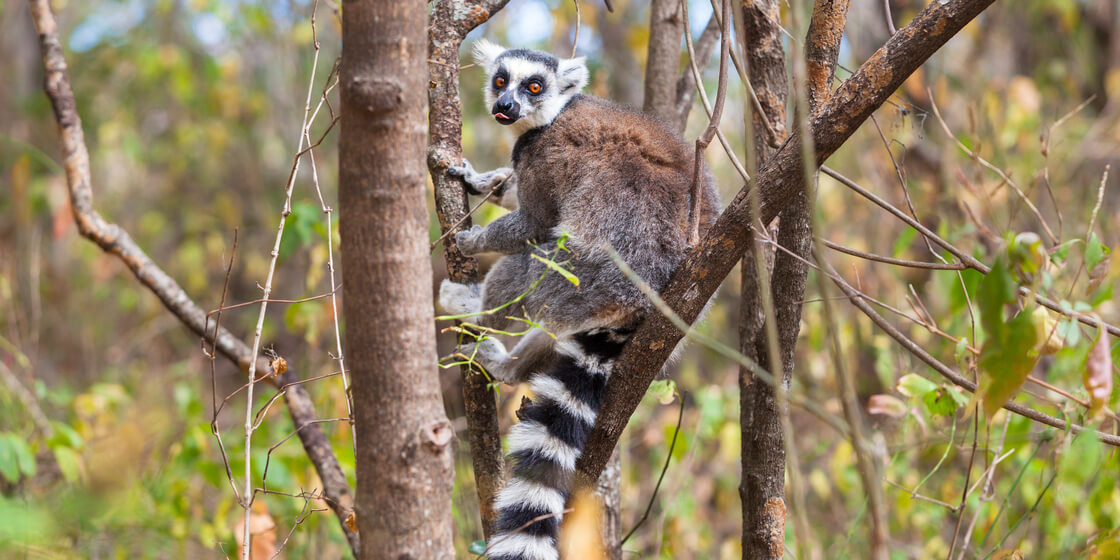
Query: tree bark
{"points": [[762, 486], [404, 460], [451, 21], [707, 264], [664, 60]]}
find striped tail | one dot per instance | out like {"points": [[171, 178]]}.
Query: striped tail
{"points": [[548, 440]]}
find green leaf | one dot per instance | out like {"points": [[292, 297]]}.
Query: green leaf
{"points": [[9, 462], [562, 243], [1005, 361], [940, 402], [997, 289], [1095, 252], [663, 390], [24, 457], [65, 436], [1097, 257], [960, 353], [559, 269], [477, 547], [1059, 254], [915, 386], [69, 462], [1069, 331], [943, 401], [1081, 459], [904, 240]]}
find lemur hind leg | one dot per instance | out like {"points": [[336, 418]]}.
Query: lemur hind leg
{"points": [[534, 352], [460, 299]]}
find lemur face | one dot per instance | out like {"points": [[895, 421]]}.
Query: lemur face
{"points": [[526, 89]]}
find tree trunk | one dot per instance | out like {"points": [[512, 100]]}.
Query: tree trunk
{"points": [[762, 487], [404, 462]]}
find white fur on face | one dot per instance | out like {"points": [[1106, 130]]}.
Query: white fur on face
{"points": [[561, 85]]}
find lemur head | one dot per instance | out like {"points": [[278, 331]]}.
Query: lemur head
{"points": [[527, 89]]}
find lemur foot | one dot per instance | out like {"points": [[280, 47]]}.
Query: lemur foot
{"points": [[460, 299], [470, 241], [491, 354], [482, 183]]}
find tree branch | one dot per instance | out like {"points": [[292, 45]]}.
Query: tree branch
{"points": [[708, 263], [686, 85], [451, 20], [762, 454], [664, 58], [115, 240]]}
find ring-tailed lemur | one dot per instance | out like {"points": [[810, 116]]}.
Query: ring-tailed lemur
{"points": [[604, 175]]}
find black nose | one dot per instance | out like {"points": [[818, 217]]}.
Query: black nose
{"points": [[506, 109]]}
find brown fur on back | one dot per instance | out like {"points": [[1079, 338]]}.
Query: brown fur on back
{"points": [[605, 173]]}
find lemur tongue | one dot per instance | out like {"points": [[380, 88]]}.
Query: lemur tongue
{"points": [[501, 116]]}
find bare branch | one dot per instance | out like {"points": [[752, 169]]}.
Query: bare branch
{"points": [[710, 132], [686, 85]]}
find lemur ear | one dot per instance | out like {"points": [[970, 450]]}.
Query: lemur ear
{"points": [[486, 52], [572, 74]]}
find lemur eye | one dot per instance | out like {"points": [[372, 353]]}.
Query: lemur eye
{"points": [[499, 82], [534, 88]]}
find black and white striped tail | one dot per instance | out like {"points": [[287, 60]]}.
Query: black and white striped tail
{"points": [[546, 443]]}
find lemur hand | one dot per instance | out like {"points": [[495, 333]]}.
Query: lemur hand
{"points": [[470, 241], [491, 354], [482, 183]]}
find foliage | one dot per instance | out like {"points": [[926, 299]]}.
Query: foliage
{"points": [[191, 111]]}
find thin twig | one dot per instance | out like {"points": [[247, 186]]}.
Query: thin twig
{"points": [[267, 291], [710, 132], [704, 100], [892, 260], [575, 40], [771, 135], [890, 18], [465, 217]]}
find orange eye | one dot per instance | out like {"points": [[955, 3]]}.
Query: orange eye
{"points": [[499, 82], [534, 88]]}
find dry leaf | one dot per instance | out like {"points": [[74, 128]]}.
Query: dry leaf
{"points": [[580, 534], [262, 532], [888, 405], [1098, 370]]}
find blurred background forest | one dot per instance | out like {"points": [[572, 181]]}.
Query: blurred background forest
{"points": [[192, 110]]}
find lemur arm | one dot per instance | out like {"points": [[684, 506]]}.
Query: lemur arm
{"points": [[507, 235], [502, 182]]}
